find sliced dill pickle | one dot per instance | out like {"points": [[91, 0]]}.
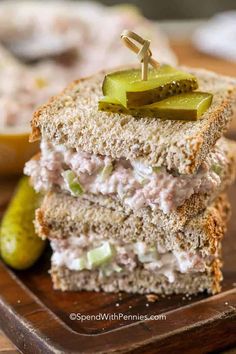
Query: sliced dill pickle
{"points": [[128, 88], [186, 106], [110, 104]]}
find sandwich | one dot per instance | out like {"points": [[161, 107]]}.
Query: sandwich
{"points": [[132, 202], [100, 249]]}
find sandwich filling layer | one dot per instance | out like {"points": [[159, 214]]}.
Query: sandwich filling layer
{"points": [[88, 252], [137, 185]]}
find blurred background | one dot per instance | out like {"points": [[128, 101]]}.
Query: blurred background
{"points": [[178, 9], [44, 45]]}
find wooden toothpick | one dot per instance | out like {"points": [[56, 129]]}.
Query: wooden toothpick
{"points": [[144, 53]]}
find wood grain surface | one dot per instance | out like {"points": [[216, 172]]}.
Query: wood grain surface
{"points": [[6, 346], [6, 190], [188, 56]]}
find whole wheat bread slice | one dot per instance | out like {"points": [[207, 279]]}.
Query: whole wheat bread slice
{"points": [[62, 216], [139, 281], [72, 119]]}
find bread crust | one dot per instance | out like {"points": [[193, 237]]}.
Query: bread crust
{"points": [[140, 281], [63, 216], [72, 119]]}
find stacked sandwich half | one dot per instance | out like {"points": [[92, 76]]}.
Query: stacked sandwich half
{"points": [[133, 204]]}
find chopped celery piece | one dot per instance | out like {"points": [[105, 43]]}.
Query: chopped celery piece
{"points": [[73, 183], [108, 270], [139, 247], [127, 87], [142, 179], [217, 169], [100, 255], [141, 172], [149, 257], [106, 171], [117, 268], [156, 169], [141, 168], [78, 264], [145, 255], [186, 106]]}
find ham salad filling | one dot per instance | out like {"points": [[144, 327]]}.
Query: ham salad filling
{"points": [[88, 252], [137, 185]]}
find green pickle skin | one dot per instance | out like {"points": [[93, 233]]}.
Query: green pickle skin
{"points": [[20, 246], [127, 87], [187, 106]]}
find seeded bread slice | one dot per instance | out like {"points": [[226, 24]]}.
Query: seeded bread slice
{"points": [[138, 281], [62, 216], [72, 119]]}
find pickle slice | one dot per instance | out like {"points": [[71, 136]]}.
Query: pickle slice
{"points": [[186, 106], [128, 88], [110, 104]]}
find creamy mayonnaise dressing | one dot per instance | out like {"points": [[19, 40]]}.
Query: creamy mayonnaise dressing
{"points": [[135, 183]]}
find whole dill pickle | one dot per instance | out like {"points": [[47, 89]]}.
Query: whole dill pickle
{"points": [[20, 246]]}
